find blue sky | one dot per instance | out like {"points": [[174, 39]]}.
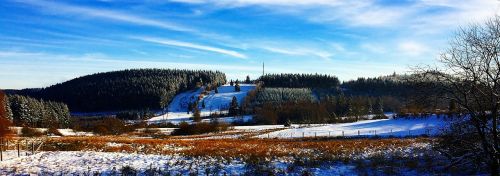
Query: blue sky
{"points": [[46, 42]]}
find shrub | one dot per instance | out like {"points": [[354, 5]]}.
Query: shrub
{"points": [[106, 126], [30, 132], [380, 116], [199, 128], [127, 170], [53, 131], [4, 127]]}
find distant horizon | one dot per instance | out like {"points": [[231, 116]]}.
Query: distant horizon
{"points": [[228, 78], [47, 42]]}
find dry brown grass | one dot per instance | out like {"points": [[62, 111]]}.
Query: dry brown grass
{"points": [[318, 148]]}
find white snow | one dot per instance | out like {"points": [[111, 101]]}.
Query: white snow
{"points": [[71, 132], [380, 127], [258, 127], [111, 163], [214, 102], [159, 130]]}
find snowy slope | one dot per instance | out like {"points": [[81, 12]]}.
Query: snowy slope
{"points": [[214, 102], [381, 127]]}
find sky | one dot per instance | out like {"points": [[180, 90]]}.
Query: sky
{"points": [[47, 42]]}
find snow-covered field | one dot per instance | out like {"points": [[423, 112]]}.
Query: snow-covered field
{"points": [[214, 102], [381, 127], [106, 163], [111, 163]]}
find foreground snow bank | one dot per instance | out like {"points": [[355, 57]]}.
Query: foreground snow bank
{"points": [[89, 163], [373, 160]]}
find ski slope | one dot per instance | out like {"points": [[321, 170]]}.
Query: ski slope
{"points": [[381, 127], [214, 102]]}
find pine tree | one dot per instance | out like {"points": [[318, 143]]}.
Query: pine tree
{"points": [[452, 107], [231, 83], [369, 105], [379, 106], [237, 87], [247, 80], [196, 115], [190, 107], [5, 121], [233, 107], [4, 112]]}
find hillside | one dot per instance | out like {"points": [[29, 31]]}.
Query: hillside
{"points": [[136, 89], [214, 102]]}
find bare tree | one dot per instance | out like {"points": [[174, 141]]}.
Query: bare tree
{"points": [[469, 75]]}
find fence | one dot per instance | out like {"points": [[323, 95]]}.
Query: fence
{"points": [[299, 133], [26, 147]]}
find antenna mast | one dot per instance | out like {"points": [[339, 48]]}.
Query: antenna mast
{"points": [[262, 68]]}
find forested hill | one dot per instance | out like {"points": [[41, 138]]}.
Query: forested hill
{"points": [[300, 81], [391, 85], [136, 89]]}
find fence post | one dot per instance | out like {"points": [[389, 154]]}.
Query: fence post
{"points": [[329, 134], [315, 134], [268, 135], [375, 132], [26, 146], [391, 131], [32, 148], [358, 132], [18, 150], [1, 149], [343, 134], [303, 136]]}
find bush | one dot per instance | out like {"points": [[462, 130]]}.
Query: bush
{"points": [[4, 127], [31, 132], [106, 126], [54, 132], [199, 128], [127, 170], [380, 116]]}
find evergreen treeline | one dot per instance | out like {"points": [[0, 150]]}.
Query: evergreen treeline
{"points": [[5, 110], [136, 89], [354, 101], [283, 95], [393, 85], [27, 111], [300, 81]]}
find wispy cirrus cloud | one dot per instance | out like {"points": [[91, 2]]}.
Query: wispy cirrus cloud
{"points": [[412, 48], [176, 43], [60, 8], [326, 55], [371, 13]]}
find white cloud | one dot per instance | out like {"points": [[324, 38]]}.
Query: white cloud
{"points": [[283, 51], [412, 48], [300, 51], [59, 8], [192, 46], [10, 54], [374, 48], [371, 12]]}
